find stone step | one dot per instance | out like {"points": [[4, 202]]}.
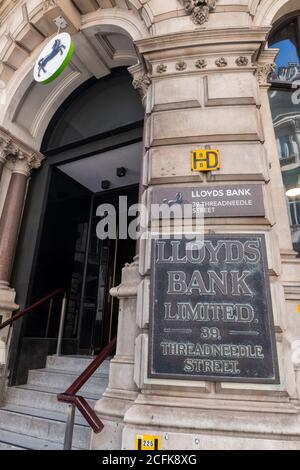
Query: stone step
{"points": [[33, 419], [4, 446], [38, 397], [75, 364], [43, 424], [61, 380], [14, 441]]}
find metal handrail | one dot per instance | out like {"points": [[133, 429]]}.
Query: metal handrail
{"points": [[74, 401], [29, 309]]}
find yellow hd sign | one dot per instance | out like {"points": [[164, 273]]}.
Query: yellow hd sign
{"points": [[147, 442], [205, 160]]}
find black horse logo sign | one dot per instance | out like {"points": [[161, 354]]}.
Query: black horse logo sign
{"points": [[57, 48], [178, 200]]}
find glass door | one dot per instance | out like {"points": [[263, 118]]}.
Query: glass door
{"points": [[105, 260]]}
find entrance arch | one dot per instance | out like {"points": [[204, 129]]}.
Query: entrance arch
{"points": [[104, 41], [267, 12], [98, 129], [104, 46]]}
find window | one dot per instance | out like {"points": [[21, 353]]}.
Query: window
{"points": [[285, 106], [96, 108], [286, 39]]}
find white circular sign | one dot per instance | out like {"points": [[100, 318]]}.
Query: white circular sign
{"points": [[54, 58]]}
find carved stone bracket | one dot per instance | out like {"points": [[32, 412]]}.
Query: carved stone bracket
{"points": [[141, 79], [199, 9], [142, 83]]}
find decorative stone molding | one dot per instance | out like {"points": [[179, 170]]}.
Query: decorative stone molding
{"points": [[23, 162], [199, 9], [242, 61], [142, 83], [201, 64], [5, 148], [20, 157], [47, 4], [181, 65], [221, 62], [161, 68], [6, 6], [141, 79], [263, 72]]}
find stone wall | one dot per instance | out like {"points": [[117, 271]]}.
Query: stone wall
{"points": [[202, 74]]}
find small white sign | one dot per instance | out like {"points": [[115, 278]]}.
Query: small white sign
{"points": [[54, 58]]}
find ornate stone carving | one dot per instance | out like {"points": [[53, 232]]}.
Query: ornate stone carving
{"points": [[47, 4], [221, 62], [5, 148], [242, 61], [161, 68], [263, 73], [130, 281], [201, 64], [23, 162], [17, 154], [181, 65], [199, 9], [142, 83]]}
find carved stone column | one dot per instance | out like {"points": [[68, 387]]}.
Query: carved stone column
{"points": [[142, 82], [20, 160], [12, 210], [265, 67]]}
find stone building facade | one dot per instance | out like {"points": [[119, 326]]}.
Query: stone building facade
{"points": [[202, 69]]}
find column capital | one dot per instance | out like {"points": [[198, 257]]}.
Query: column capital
{"points": [[141, 79], [24, 162], [265, 66], [5, 148], [20, 157], [263, 72]]}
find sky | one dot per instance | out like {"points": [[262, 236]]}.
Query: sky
{"points": [[288, 52]]}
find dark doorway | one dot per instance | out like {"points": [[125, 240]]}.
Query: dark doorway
{"points": [[73, 258], [105, 261]]}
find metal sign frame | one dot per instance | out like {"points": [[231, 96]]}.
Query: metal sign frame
{"points": [[269, 311]]}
